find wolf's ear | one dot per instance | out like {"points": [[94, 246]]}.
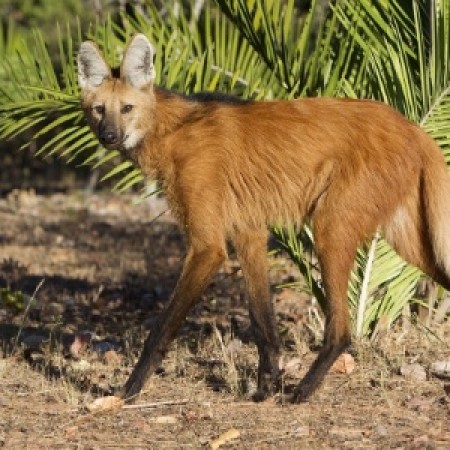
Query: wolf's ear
{"points": [[137, 65], [92, 68]]}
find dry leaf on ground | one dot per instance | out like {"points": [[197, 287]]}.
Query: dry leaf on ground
{"points": [[224, 438], [103, 404], [344, 364]]}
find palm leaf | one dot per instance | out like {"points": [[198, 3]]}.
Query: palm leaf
{"points": [[415, 79]]}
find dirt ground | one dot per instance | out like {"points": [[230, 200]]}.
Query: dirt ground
{"points": [[82, 278]]}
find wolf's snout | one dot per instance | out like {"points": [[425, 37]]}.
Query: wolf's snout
{"points": [[108, 137]]}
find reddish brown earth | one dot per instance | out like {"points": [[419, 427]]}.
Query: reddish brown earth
{"points": [[102, 269]]}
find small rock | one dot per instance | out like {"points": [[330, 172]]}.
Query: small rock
{"points": [[292, 366], [381, 430], [441, 369], [414, 372]]}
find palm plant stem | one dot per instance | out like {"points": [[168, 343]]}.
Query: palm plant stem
{"points": [[365, 286]]}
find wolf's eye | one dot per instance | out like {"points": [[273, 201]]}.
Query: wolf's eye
{"points": [[126, 109], [99, 109]]}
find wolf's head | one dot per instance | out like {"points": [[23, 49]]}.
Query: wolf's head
{"points": [[120, 110]]}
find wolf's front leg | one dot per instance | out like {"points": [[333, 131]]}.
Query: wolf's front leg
{"points": [[200, 265]]}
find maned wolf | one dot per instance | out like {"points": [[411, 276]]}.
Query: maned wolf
{"points": [[231, 168]]}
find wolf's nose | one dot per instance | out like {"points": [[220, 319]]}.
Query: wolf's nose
{"points": [[108, 137]]}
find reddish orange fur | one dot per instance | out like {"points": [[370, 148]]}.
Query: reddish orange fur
{"points": [[232, 170]]}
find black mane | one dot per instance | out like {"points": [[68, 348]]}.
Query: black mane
{"points": [[216, 97]]}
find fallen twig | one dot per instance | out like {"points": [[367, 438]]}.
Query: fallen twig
{"points": [[156, 404]]}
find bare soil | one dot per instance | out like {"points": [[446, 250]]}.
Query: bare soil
{"points": [[83, 278]]}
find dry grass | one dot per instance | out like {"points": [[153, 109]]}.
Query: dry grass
{"points": [[374, 407], [210, 368]]}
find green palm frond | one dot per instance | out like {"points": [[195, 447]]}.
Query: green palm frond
{"points": [[208, 54], [380, 286], [41, 96], [44, 101], [299, 247], [306, 56], [413, 77]]}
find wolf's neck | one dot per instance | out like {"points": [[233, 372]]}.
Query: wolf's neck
{"points": [[172, 111]]}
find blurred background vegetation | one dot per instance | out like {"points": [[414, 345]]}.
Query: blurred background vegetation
{"points": [[19, 20], [396, 51]]}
